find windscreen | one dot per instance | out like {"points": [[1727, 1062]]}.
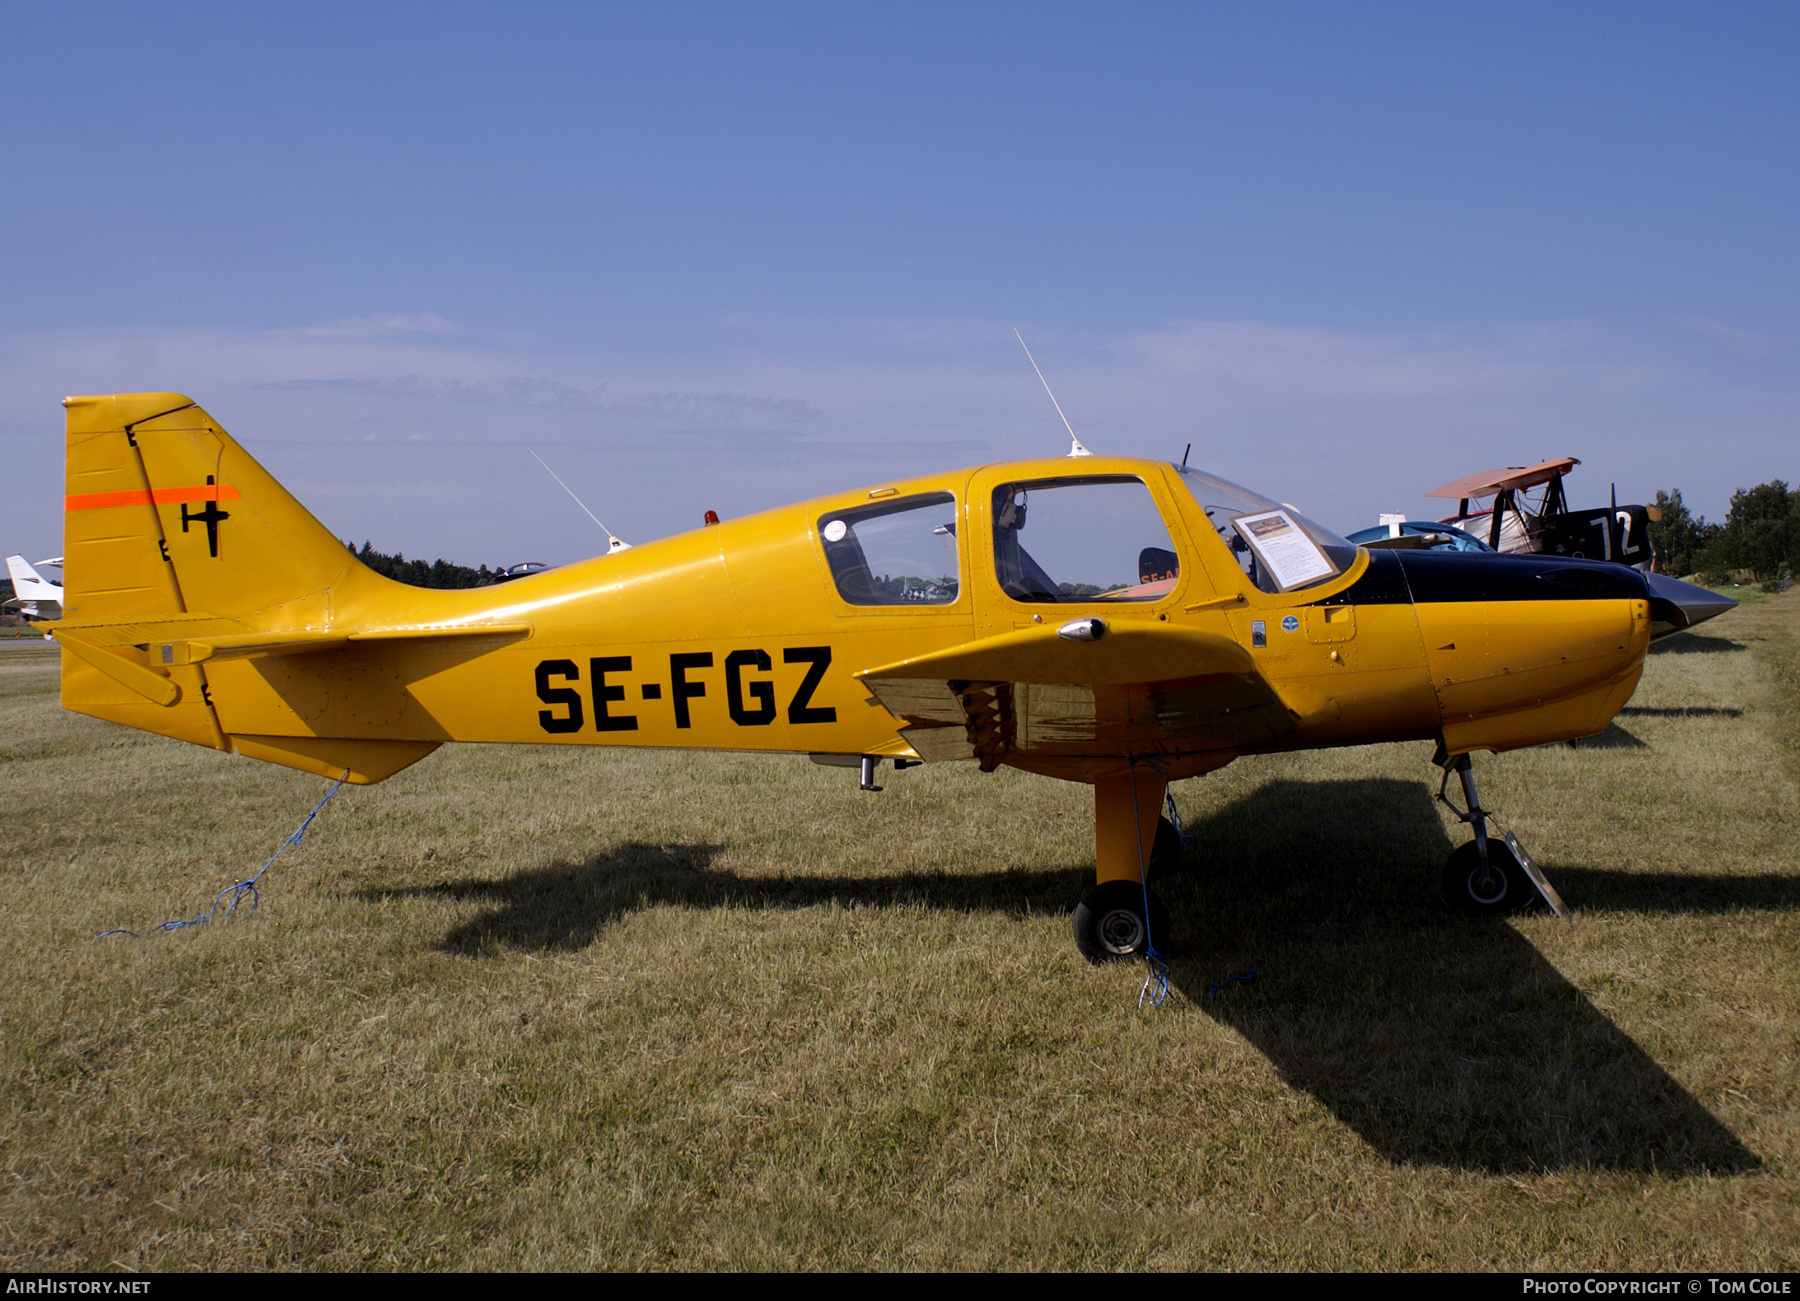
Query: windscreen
{"points": [[1277, 547]]}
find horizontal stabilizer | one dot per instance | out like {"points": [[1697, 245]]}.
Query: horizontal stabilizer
{"points": [[128, 673], [193, 638], [245, 644]]}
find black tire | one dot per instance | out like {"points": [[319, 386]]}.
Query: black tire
{"points": [[1109, 923], [1503, 888], [1166, 858]]}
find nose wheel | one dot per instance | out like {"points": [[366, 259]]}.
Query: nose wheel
{"points": [[1486, 889], [1488, 877]]}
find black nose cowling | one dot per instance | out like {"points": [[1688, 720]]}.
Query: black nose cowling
{"points": [[1433, 576], [1676, 606], [1424, 577]]}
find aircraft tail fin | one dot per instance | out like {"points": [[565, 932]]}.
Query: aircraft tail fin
{"points": [[21, 572], [173, 531], [166, 514]]}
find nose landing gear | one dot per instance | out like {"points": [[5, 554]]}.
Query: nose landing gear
{"points": [[1488, 887], [1488, 878]]}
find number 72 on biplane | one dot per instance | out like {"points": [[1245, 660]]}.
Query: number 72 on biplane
{"points": [[1108, 620]]}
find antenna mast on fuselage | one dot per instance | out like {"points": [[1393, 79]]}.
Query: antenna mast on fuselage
{"points": [[1075, 447], [613, 544]]}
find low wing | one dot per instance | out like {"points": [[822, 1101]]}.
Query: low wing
{"points": [[1137, 690]]}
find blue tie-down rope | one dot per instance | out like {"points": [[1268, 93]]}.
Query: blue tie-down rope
{"points": [[1156, 974], [239, 889], [1217, 987], [1186, 838], [1156, 978]]}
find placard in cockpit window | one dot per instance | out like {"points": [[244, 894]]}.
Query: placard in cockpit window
{"points": [[1291, 557]]}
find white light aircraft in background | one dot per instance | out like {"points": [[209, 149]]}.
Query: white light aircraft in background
{"points": [[34, 596]]}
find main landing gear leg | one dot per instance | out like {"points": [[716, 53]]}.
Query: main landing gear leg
{"points": [[1110, 921], [1488, 877]]}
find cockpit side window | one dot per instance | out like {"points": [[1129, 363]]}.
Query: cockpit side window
{"points": [[1098, 538], [897, 552]]}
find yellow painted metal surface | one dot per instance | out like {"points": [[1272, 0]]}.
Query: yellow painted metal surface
{"points": [[219, 611], [1127, 806]]}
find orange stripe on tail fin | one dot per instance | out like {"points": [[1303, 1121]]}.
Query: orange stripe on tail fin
{"points": [[152, 496]]}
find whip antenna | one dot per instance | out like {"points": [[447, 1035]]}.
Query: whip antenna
{"points": [[613, 544], [1075, 449]]}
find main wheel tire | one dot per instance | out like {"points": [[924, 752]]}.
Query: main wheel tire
{"points": [[1165, 853], [1110, 925], [1501, 889]]}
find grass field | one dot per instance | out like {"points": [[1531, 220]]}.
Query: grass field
{"points": [[524, 1008]]}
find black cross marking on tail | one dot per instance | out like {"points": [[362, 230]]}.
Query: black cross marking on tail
{"points": [[211, 517]]}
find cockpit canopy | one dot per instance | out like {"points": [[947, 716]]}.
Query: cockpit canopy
{"points": [[1070, 538], [1278, 548]]}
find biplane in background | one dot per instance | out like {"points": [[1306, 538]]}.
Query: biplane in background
{"points": [[1514, 523], [1107, 620]]}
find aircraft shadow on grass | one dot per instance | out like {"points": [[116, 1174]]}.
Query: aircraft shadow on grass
{"points": [[1694, 644], [566, 906], [1613, 738], [1439, 1039]]}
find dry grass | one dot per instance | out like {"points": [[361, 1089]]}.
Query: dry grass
{"points": [[522, 1008]]}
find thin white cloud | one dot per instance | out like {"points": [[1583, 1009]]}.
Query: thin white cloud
{"points": [[411, 432], [1756, 342], [380, 327]]}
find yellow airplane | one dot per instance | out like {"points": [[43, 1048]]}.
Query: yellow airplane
{"points": [[1108, 620]]}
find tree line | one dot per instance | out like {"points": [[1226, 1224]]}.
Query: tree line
{"points": [[418, 573], [1760, 538]]}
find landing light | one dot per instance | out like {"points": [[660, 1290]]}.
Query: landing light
{"points": [[1082, 630]]}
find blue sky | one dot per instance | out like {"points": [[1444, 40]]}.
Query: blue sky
{"points": [[724, 256]]}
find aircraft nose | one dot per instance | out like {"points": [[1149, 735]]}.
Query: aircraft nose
{"points": [[1675, 605]]}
